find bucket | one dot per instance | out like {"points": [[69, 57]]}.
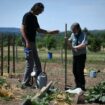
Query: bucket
{"points": [[49, 55], [93, 74]]}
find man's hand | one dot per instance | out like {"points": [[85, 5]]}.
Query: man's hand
{"points": [[47, 32], [54, 32]]}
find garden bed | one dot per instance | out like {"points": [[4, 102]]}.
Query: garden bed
{"points": [[53, 70]]}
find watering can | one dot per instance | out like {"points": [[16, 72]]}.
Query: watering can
{"points": [[42, 78], [93, 73]]}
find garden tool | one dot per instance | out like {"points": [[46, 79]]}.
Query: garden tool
{"points": [[65, 55], [42, 78], [66, 86]]}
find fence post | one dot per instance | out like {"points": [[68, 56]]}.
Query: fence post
{"points": [[65, 55], [62, 55], [1, 54], [14, 53], [9, 37]]}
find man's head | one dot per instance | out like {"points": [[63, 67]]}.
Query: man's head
{"points": [[37, 8], [75, 28]]}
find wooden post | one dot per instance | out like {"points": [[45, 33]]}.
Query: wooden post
{"points": [[62, 55], [9, 53], [14, 53], [1, 54], [65, 55], [79, 98]]}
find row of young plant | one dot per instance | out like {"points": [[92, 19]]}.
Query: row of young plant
{"points": [[51, 97], [96, 94]]}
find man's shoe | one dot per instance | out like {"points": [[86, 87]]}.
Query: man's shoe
{"points": [[34, 87], [23, 86]]}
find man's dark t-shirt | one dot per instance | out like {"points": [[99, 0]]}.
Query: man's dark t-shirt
{"points": [[31, 24]]}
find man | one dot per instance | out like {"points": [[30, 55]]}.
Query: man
{"points": [[78, 42], [29, 28]]}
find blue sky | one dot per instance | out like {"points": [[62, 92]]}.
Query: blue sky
{"points": [[89, 13]]}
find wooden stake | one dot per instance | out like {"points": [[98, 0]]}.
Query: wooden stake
{"points": [[14, 53], [8, 54], [65, 55], [1, 54]]}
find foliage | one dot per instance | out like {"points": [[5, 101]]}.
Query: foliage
{"points": [[50, 42], [2, 81], [96, 40], [9, 38], [5, 91], [18, 40], [57, 97], [97, 93], [94, 43]]}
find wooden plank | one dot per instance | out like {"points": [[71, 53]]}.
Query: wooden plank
{"points": [[42, 91], [79, 98]]}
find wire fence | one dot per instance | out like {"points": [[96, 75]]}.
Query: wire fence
{"points": [[7, 51]]}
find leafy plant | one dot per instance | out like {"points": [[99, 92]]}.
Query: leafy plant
{"points": [[96, 94], [2, 81], [50, 42], [57, 96]]}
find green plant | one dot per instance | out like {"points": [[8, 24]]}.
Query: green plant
{"points": [[94, 43], [2, 81], [44, 100], [50, 42], [96, 94], [56, 96]]}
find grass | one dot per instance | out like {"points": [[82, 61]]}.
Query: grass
{"points": [[94, 59], [91, 56]]}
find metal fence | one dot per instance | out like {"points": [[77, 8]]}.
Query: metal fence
{"points": [[8, 52]]}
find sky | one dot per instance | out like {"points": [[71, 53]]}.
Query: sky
{"points": [[57, 13]]}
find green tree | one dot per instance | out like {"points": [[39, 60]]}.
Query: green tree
{"points": [[50, 42], [94, 43]]}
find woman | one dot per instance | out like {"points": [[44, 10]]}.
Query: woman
{"points": [[78, 42]]}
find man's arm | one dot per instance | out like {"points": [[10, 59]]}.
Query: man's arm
{"points": [[23, 31], [39, 30]]}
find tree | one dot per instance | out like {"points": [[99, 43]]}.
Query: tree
{"points": [[50, 42], [94, 43]]}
